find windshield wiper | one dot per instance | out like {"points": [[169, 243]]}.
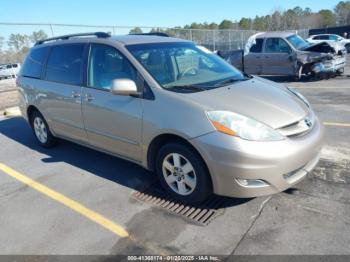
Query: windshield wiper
{"points": [[232, 80], [188, 88]]}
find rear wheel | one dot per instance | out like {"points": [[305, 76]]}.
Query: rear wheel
{"points": [[183, 173], [41, 130]]}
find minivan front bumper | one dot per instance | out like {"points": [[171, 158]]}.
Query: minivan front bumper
{"points": [[242, 168]]}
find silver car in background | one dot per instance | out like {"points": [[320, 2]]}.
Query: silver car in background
{"points": [[285, 53], [9, 70], [329, 38], [174, 108]]}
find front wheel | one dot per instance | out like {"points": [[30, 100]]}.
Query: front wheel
{"points": [[299, 73], [41, 130], [183, 173], [347, 46]]}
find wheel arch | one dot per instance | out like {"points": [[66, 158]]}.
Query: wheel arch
{"points": [[30, 110], [162, 139]]}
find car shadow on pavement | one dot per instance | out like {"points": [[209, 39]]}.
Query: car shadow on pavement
{"points": [[100, 164], [304, 79]]}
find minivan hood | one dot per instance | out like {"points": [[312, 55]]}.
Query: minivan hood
{"points": [[257, 98]]}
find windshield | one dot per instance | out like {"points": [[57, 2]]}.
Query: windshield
{"points": [[297, 42], [185, 66]]}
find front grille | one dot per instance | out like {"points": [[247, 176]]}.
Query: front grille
{"points": [[298, 128]]}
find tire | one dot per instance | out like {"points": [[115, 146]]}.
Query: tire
{"points": [[347, 46], [299, 73], [340, 72], [188, 179], [42, 131]]}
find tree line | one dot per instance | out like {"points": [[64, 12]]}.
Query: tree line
{"points": [[290, 19], [18, 45]]}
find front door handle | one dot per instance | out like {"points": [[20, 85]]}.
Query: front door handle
{"points": [[89, 97], [75, 94]]}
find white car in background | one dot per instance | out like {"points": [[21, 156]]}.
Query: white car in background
{"points": [[9, 70], [329, 38]]}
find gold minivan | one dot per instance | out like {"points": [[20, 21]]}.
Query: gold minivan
{"points": [[172, 107]]}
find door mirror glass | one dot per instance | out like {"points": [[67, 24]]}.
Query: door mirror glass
{"points": [[124, 87]]}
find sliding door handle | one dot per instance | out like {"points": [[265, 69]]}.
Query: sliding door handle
{"points": [[89, 97]]}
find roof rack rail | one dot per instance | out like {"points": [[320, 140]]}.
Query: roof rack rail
{"points": [[66, 37], [153, 34]]}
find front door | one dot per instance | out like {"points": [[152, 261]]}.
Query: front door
{"points": [[277, 58], [113, 123]]}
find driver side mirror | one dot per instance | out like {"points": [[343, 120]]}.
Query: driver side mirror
{"points": [[124, 87]]}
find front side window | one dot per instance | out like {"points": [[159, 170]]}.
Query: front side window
{"points": [[64, 64], [106, 64], [184, 66], [257, 47], [33, 64], [276, 45]]}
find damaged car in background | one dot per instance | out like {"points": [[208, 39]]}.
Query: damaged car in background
{"points": [[286, 53]]}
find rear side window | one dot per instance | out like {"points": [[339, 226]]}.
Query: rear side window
{"points": [[323, 37], [333, 37], [64, 64], [33, 64], [257, 47]]}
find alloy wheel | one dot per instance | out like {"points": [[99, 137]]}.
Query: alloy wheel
{"points": [[179, 174], [40, 130]]}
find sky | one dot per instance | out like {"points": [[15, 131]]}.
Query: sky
{"points": [[161, 13]]}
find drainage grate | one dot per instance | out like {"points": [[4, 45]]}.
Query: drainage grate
{"points": [[202, 214]]}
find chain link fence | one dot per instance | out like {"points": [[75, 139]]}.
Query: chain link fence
{"points": [[27, 33]]}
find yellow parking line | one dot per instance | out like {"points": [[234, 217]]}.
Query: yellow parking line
{"points": [[77, 207], [336, 124]]}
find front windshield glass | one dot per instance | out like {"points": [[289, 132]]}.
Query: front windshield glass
{"points": [[185, 66], [297, 42]]}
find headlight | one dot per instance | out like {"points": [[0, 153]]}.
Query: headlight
{"points": [[300, 96], [237, 125]]}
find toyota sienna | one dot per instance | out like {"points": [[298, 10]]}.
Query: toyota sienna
{"points": [[174, 108]]}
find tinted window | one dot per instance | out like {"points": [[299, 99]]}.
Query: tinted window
{"points": [[276, 45], [65, 63], [34, 62], [333, 37], [106, 64], [257, 47]]}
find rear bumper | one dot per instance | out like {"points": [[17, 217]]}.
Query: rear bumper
{"points": [[276, 165]]}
